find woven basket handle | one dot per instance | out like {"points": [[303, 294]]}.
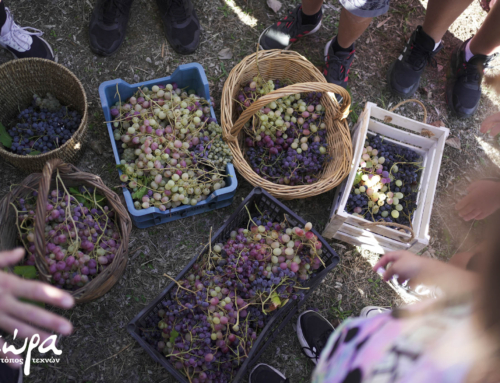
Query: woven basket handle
{"points": [[305, 87], [372, 224], [50, 167], [412, 100]]}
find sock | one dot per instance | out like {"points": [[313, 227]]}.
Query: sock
{"points": [[437, 45], [3, 14], [468, 53], [311, 19], [337, 48]]}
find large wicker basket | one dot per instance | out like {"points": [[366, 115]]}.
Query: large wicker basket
{"points": [[19, 80], [42, 182], [287, 65]]}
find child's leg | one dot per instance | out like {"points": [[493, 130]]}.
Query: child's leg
{"points": [[441, 14], [461, 259], [487, 39], [311, 7], [351, 27]]}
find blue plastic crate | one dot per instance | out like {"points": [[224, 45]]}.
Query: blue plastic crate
{"points": [[190, 76]]}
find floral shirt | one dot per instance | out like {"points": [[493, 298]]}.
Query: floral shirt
{"points": [[421, 347]]}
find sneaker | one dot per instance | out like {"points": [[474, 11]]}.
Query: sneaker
{"points": [[463, 83], [404, 74], [313, 332], [108, 25], [263, 373], [23, 42], [371, 311], [338, 65], [287, 31], [181, 25]]}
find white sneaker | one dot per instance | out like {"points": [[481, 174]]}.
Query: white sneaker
{"points": [[371, 311], [23, 42]]}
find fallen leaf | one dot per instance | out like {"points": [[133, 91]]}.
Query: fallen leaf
{"points": [[225, 54], [438, 124], [387, 119], [96, 147], [382, 22], [427, 133], [454, 142], [275, 5], [440, 68]]}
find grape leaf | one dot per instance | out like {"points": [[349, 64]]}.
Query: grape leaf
{"points": [[5, 137], [26, 272], [34, 153], [173, 336], [74, 191], [100, 200], [140, 193]]}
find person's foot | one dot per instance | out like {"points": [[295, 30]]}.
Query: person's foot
{"points": [[23, 42], [463, 83], [181, 25], [338, 64], [263, 373], [108, 25], [313, 332], [371, 311], [404, 74], [288, 30]]}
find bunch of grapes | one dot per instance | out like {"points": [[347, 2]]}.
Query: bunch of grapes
{"points": [[286, 140], [172, 151], [386, 183], [211, 319], [42, 127], [81, 236]]}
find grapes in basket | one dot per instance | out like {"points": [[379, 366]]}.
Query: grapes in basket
{"points": [[81, 235], [286, 140], [386, 183], [212, 317], [43, 126], [172, 151]]}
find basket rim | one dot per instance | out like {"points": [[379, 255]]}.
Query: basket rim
{"points": [[83, 122]]}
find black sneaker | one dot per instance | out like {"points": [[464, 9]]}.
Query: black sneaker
{"points": [[108, 25], [23, 42], [181, 25], [288, 30], [338, 65], [313, 332], [263, 373], [463, 83], [404, 74]]}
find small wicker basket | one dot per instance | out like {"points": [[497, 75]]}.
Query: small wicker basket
{"points": [[42, 182], [19, 80], [287, 65]]}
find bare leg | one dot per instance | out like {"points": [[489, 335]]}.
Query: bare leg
{"points": [[351, 27], [311, 7], [441, 14], [461, 259], [487, 39]]}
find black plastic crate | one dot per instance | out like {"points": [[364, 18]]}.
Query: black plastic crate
{"points": [[277, 211]]}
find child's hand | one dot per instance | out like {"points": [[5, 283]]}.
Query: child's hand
{"points": [[405, 265], [482, 200], [491, 124]]}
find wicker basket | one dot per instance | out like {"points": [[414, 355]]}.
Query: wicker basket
{"points": [[287, 65], [19, 80], [42, 183]]}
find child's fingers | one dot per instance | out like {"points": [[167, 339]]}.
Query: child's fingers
{"points": [[386, 259], [472, 215], [11, 257]]}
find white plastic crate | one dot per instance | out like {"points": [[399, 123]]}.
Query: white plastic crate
{"points": [[380, 239]]}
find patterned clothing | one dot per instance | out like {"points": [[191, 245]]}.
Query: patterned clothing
{"points": [[423, 347], [366, 8]]}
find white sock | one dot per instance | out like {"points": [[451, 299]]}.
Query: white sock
{"points": [[437, 45], [468, 53]]}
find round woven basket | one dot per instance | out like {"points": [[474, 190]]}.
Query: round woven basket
{"points": [[72, 177], [291, 66], [19, 80]]}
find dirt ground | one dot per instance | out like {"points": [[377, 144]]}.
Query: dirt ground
{"points": [[100, 350]]}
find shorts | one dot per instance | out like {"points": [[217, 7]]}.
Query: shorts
{"points": [[366, 8]]}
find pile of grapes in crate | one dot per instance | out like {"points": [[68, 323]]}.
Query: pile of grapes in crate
{"points": [[213, 315], [386, 183], [286, 140], [81, 235], [41, 127], [171, 149]]}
